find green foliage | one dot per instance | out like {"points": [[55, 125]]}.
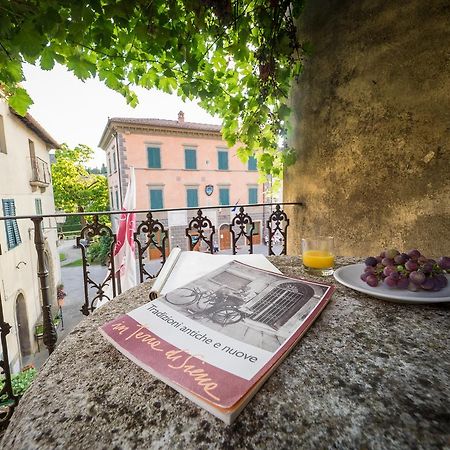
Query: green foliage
{"points": [[75, 189], [99, 249], [237, 58], [39, 328], [20, 383], [96, 170]]}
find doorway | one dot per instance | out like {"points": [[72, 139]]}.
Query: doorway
{"points": [[224, 237], [22, 325]]}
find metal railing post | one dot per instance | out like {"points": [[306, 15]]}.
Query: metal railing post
{"points": [[50, 335], [5, 328]]}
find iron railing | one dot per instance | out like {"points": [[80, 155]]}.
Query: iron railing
{"points": [[40, 172], [151, 233]]}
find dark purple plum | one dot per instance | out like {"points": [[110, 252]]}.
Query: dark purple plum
{"points": [[442, 280], [387, 262], [401, 258], [390, 282], [388, 270], [411, 265], [402, 283], [414, 254], [371, 261], [417, 277], [428, 284], [444, 262], [372, 280]]}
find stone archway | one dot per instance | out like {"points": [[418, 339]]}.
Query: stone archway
{"points": [[22, 326]]}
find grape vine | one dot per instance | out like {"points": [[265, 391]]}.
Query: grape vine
{"points": [[238, 58]]}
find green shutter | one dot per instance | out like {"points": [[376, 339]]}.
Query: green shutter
{"points": [[190, 158], [117, 201], [38, 206], [156, 199], [224, 196], [11, 227], [223, 160], [154, 157], [252, 163], [253, 195], [192, 198]]}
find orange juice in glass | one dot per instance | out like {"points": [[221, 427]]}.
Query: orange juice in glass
{"points": [[318, 255]]}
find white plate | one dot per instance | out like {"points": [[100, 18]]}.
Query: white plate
{"points": [[350, 276]]}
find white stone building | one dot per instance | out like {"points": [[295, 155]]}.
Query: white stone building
{"points": [[25, 189]]}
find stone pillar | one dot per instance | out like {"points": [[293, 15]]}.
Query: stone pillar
{"points": [[372, 126]]}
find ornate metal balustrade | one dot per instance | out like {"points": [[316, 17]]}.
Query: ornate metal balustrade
{"points": [[151, 235], [40, 172]]}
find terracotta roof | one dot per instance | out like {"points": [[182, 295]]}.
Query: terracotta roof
{"points": [[158, 123], [37, 128], [168, 123]]}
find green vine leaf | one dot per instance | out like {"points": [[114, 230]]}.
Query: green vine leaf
{"points": [[20, 101], [236, 58]]}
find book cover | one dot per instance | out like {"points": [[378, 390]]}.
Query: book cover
{"points": [[217, 338]]}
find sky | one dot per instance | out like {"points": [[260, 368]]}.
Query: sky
{"points": [[76, 112]]}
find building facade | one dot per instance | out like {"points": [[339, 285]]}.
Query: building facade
{"points": [[25, 189], [180, 164]]}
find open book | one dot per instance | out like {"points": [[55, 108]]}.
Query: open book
{"points": [[219, 337], [183, 267]]}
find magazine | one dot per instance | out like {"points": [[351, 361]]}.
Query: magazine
{"points": [[218, 338], [183, 267]]}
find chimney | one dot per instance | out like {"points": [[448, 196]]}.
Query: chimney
{"points": [[181, 117]]}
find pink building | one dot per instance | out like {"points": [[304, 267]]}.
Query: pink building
{"points": [[179, 164]]}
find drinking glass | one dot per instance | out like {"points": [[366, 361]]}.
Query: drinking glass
{"points": [[318, 255]]}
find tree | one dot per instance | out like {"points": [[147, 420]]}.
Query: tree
{"points": [[96, 170], [75, 189], [238, 57]]}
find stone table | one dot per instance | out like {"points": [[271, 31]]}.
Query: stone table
{"points": [[368, 374]]}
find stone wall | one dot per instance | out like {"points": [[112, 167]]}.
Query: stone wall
{"points": [[372, 126]]}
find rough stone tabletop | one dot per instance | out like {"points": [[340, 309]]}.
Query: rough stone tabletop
{"points": [[368, 374]]}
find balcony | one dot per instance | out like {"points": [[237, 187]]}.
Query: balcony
{"points": [[40, 174], [256, 228], [350, 358]]}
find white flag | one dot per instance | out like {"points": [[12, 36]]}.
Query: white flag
{"points": [[124, 257], [123, 254]]}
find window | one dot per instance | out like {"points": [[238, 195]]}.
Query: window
{"points": [[252, 163], [190, 159], [154, 157], [223, 159], [111, 199], [224, 196], [117, 200], [252, 195], [38, 206], [156, 199], [2, 136], [192, 197], [12, 230], [109, 164], [114, 162], [31, 148]]}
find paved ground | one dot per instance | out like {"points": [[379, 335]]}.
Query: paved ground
{"points": [[72, 279]]}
